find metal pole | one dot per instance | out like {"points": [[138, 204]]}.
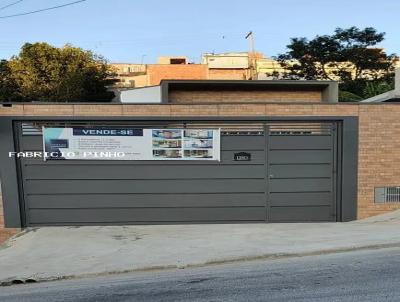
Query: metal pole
{"points": [[253, 61]]}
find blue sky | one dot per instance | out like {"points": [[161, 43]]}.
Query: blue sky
{"points": [[127, 30]]}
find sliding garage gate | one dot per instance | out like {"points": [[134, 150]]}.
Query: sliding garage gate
{"points": [[289, 175]]}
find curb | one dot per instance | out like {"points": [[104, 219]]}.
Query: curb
{"points": [[25, 280]]}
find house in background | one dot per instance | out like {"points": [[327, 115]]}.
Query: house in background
{"points": [[167, 67], [224, 66], [212, 66]]}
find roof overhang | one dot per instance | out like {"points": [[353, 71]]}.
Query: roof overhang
{"points": [[329, 89], [387, 97]]}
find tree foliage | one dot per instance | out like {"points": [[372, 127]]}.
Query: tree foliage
{"points": [[350, 56], [374, 88], [7, 85], [345, 96], [42, 72]]}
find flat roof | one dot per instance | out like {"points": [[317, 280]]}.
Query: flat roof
{"points": [[265, 83]]}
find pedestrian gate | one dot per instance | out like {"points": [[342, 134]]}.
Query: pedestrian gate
{"points": [[301, 171]]}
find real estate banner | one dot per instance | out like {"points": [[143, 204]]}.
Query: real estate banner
{"points": [[131, 144]]}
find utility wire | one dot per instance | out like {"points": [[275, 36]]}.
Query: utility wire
{"points": [[11, 4], [42, 10]]}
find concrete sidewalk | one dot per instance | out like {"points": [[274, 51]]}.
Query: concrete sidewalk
{"points": [[64, 252]]}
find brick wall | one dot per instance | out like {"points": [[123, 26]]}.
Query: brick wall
{"points": [[156, 73], [228, 74], [379, 132], [229, 96], [379, 155]]}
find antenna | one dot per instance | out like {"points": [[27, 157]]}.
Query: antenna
{"points": [[252, 55]]}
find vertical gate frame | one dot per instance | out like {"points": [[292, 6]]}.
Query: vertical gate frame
{"points": [[335, 171], [267, 184]]}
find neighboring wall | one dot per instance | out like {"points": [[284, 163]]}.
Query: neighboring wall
{"points": [[379, 133], [151, 94], [228, 74], [240, 96], [156, 73]]}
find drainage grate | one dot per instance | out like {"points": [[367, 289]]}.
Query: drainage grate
{"points": [[387, 194]]}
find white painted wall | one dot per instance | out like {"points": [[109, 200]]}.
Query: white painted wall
{"points": [[228, 60], [139, 95]]}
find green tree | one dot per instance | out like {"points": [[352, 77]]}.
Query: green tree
{"points": [[350, 56], [8, 87], [345, 96], [42, 72], [374, 88]]}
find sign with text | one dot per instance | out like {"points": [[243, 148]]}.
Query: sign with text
{"points": [[131, 144]]}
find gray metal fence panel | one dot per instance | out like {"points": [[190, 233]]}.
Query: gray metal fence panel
{"points": [[301, 180], [65, 192]]}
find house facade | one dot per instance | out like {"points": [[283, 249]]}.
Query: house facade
{"points": [[251, 151]]}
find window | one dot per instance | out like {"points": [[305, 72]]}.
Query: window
{"points": [[177, 61], [387, 194]]}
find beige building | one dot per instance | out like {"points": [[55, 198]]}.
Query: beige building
{"points": [[266, 67], [231, 60], [129, 75]]}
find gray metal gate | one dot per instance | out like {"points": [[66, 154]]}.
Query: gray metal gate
{"points": [[73, 192], [290, 178], [301, 172]]}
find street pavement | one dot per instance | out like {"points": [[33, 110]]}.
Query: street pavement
{"points": [[66, 252], [369, 275]]}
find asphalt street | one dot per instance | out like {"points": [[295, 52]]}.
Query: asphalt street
{"points": [[372, 275]]}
